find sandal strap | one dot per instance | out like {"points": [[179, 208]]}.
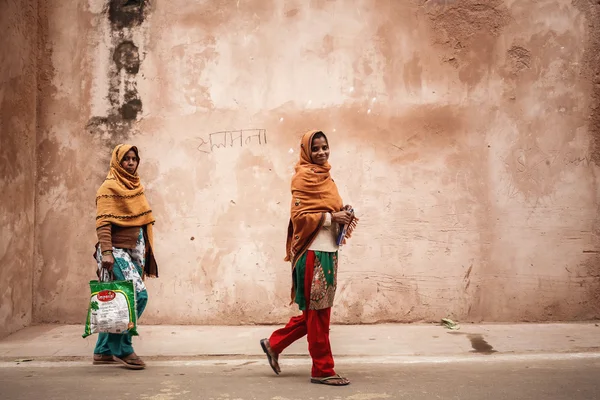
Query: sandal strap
{"points": [[336, 376], [133, 360]]}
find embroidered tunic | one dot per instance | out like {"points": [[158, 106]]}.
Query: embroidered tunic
{"points": [[324, 279]]}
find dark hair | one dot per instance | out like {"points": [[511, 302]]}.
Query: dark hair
{"points": [[318, 135]]}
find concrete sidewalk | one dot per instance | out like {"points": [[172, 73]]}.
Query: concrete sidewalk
{"points": [[64, 342]]}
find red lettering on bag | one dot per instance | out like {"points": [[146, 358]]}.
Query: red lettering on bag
{"points": [[106, 295]]}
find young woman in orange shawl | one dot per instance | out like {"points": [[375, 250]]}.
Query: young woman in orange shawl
{"points": [[124, 251], [316, 213]]}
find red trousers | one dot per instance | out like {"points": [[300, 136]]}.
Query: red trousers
{"points": [[315, 324]]}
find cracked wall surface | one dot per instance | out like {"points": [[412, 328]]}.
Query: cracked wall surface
{"points": [[463, 132]]}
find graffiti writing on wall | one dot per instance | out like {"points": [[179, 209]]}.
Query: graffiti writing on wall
{"points": [[240, 138]]}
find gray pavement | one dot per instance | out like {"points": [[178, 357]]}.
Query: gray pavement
{"points": [[388, 361], [400, 341], [575, 379]]}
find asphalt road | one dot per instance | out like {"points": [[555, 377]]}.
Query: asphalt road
{"points": [[510, 380]]}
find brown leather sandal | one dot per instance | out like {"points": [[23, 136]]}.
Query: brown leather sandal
{"points": [[271, 356], [100, 359], [131, 361], [335, 380]]}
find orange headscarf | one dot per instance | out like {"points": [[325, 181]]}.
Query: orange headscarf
{"points": [[120, 200], [314, 193]]}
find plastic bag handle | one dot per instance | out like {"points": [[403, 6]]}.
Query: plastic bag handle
{"points": [[106, 276]]}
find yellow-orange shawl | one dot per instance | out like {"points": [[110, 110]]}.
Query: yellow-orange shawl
{"points": [[120, 200], [314, 193]]}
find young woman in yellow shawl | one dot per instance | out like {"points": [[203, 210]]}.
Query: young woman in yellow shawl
{"points": [[317, 212], [125, 249]]}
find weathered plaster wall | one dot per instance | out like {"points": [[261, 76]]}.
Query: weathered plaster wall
{"points": [[18, 52], [462, 132]]}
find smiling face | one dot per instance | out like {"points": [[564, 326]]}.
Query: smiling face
{"points": [[319, 150], [130, 162]]}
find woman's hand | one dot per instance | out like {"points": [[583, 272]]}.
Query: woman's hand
{"points": [[341, 217], [108, 261]]}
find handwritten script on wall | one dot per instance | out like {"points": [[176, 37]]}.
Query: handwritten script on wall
{"points": [[240, 138]]}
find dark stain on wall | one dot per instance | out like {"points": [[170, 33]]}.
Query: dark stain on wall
{"points": [[127, 56], [125, 102], [126, 13]]}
